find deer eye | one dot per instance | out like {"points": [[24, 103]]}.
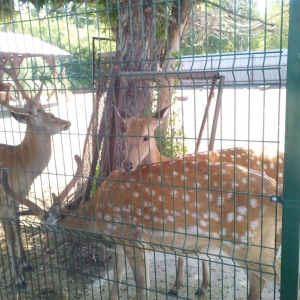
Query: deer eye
{"points": [[146, 138]]}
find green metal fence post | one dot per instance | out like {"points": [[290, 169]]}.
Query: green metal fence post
{"points": [[291, 203]]}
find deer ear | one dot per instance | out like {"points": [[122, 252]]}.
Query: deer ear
{"points": [[19, 117], [121, 114], [162, 115], [54, 214]]}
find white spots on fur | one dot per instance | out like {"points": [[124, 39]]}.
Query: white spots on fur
{"points": [[205, 216], [280, 175], [175, 174], [160, 198], [183, 177], [239, 218], [153, 192], [216, 183], [107, 218], [205, 177], [245, 180], [197, 185], [215, 235], [154, 208], [272, 166], [186, 197], [159, 178], [138, 211], [203, 223], [224, 231], [254, 224], [146, 190], [136, 194], [194, 215], [253, 202], [258, 162], [242, 210], [128, 184], [214, 216], [235, 235], [170, 218], [229, 196], [126, 208], [244, 239], [230, 217], [117, 209], [209, 196], [194, 230], [176, 213], [157, 220], [219, 201], [224, 171], [239, 155]]}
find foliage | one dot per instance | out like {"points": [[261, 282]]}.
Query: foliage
{"points": [[235, 26], [69, 29], [172, 144]]}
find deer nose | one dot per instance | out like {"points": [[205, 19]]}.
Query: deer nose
{"points": [[127, 166], [66, 126]]}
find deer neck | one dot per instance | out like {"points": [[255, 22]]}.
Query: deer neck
{"points": [[154, 156], [36, 149]]}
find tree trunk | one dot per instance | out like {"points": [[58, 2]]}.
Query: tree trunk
{"points": [[180, 14], [135, 40]]}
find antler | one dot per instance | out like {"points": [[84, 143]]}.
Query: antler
{"points": [[61, 197], [6, 104], [34, 208], [29, 101]]}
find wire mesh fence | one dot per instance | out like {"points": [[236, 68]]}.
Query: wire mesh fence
{"points": [[177, 110]]}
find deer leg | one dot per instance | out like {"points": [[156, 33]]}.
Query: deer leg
{"points": [[256, 286], [205, 279], [19, 246], [10, 239], [139, 262], [119, 268], [179, 278]]}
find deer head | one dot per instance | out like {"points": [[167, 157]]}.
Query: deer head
{"points": [[139, 139]]}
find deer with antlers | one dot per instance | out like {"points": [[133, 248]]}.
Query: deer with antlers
{"points": [[201, 208], [141, 149], [25, 163]]}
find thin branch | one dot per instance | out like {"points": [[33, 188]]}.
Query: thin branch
{"points": [[230, 11]]}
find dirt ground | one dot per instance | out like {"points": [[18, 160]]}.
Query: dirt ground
{"points": [[241, 120]]}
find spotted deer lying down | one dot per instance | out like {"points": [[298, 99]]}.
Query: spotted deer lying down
{"points": [[186, 206], [141, 149]]}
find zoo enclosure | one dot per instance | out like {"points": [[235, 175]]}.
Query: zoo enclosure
{"points": [[289, 228]]}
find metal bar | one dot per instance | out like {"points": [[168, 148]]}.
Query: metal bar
{"points": [[210, 96], [217, 113], [291, 195], [172, 74]]}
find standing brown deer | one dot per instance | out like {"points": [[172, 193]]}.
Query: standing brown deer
{"points": [[188, 206], [141, 149], [25, 163]]}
